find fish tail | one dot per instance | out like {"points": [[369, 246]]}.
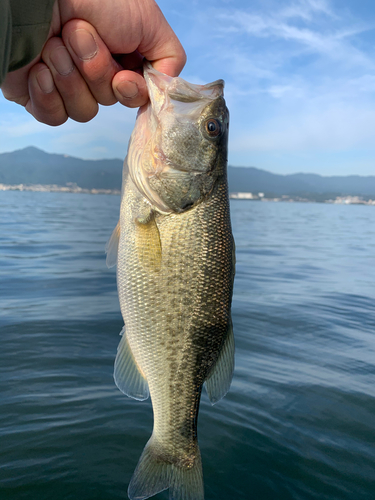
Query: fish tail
{"points": [[154, 474]]}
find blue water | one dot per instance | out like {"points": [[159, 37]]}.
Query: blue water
{"points": [[299, 421]]}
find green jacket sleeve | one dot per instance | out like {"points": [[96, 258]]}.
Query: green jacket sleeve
{"points": [[24, 27]]}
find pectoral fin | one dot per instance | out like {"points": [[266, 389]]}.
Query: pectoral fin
{"points": [[147, 240], [220, 378], [127, 374], [111, 247]]}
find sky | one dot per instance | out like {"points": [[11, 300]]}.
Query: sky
{"points": [[300, 86]]}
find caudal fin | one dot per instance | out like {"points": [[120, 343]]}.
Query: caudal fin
{"points": [[153, 475]]}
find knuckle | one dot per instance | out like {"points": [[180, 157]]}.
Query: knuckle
{"points": [[56, 123], [54, 120], [68, 91], [86, 117], [50, 45], [85, 113], [99, 79], [95, 75], [51, 113], [21, 100], [47, 119]]}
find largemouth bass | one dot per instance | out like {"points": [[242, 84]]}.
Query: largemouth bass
{"points": [[175, 267]]}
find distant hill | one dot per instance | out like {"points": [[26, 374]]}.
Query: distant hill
{"points": [[255, 180], [33, 166]]}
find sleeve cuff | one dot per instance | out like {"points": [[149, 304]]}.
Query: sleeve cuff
{"points": [[5, 38], [30, 26]]}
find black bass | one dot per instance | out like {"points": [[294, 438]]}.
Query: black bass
{"points": [[174, 251]]}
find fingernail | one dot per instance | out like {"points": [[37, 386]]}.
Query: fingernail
{"points": [[83, 44], [45, 81], [62, 61], [128, 89]]}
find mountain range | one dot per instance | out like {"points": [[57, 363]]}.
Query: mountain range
{"points": [[34, 166]]}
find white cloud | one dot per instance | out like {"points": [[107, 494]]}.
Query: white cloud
{"points": [[300, 77], [305, 9], [11, 126], [279, 91], [314, 35]]}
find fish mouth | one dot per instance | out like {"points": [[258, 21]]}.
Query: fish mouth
{"points": [[188, 205], [167, 177], [160, 85], [175, 171]]}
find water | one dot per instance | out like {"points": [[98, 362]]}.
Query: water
{"points": [[299, 421]]}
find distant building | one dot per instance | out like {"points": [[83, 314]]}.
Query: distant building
{"points": [[244, 196]]}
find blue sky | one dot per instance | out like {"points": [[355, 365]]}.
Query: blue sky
{"points": [[300, 86]]}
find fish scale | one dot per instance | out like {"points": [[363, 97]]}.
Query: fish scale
{"points": [[148, 302], [175, 278]]}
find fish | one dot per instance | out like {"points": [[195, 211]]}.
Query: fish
{"points": [[175, 256]]}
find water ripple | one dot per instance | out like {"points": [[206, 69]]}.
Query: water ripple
{"points": [[298, 422]]}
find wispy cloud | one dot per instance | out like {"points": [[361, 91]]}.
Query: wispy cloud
{"points": [[330, 39], [11, 126], [306, 9], [300, 77]]}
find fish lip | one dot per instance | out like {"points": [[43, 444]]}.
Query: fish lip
{"points": [[172, 168], [179, 89]]}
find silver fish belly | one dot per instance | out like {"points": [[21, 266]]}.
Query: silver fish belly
{"points": [[175, 268]]}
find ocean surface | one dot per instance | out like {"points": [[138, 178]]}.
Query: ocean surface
{"points": [[299, 420]]}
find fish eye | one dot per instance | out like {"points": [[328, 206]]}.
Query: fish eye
{"points": [[213, 127]]}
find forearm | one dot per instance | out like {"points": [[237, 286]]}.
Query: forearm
{"points": [[24, 27]]}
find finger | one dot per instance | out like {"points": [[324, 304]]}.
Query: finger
{"points": [[16, 85], [79, 102], [129, 86], [161, 46], [45, 103], [133, 25], [92, 58], [130, 89]]}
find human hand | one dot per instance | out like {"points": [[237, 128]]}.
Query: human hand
{"points": [[93, 55]]}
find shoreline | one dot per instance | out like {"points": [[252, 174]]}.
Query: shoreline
{"points": [[260, 197], [54, 188]]}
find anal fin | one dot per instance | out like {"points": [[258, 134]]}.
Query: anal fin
{"points": [[127, 374], [220, 377]]}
